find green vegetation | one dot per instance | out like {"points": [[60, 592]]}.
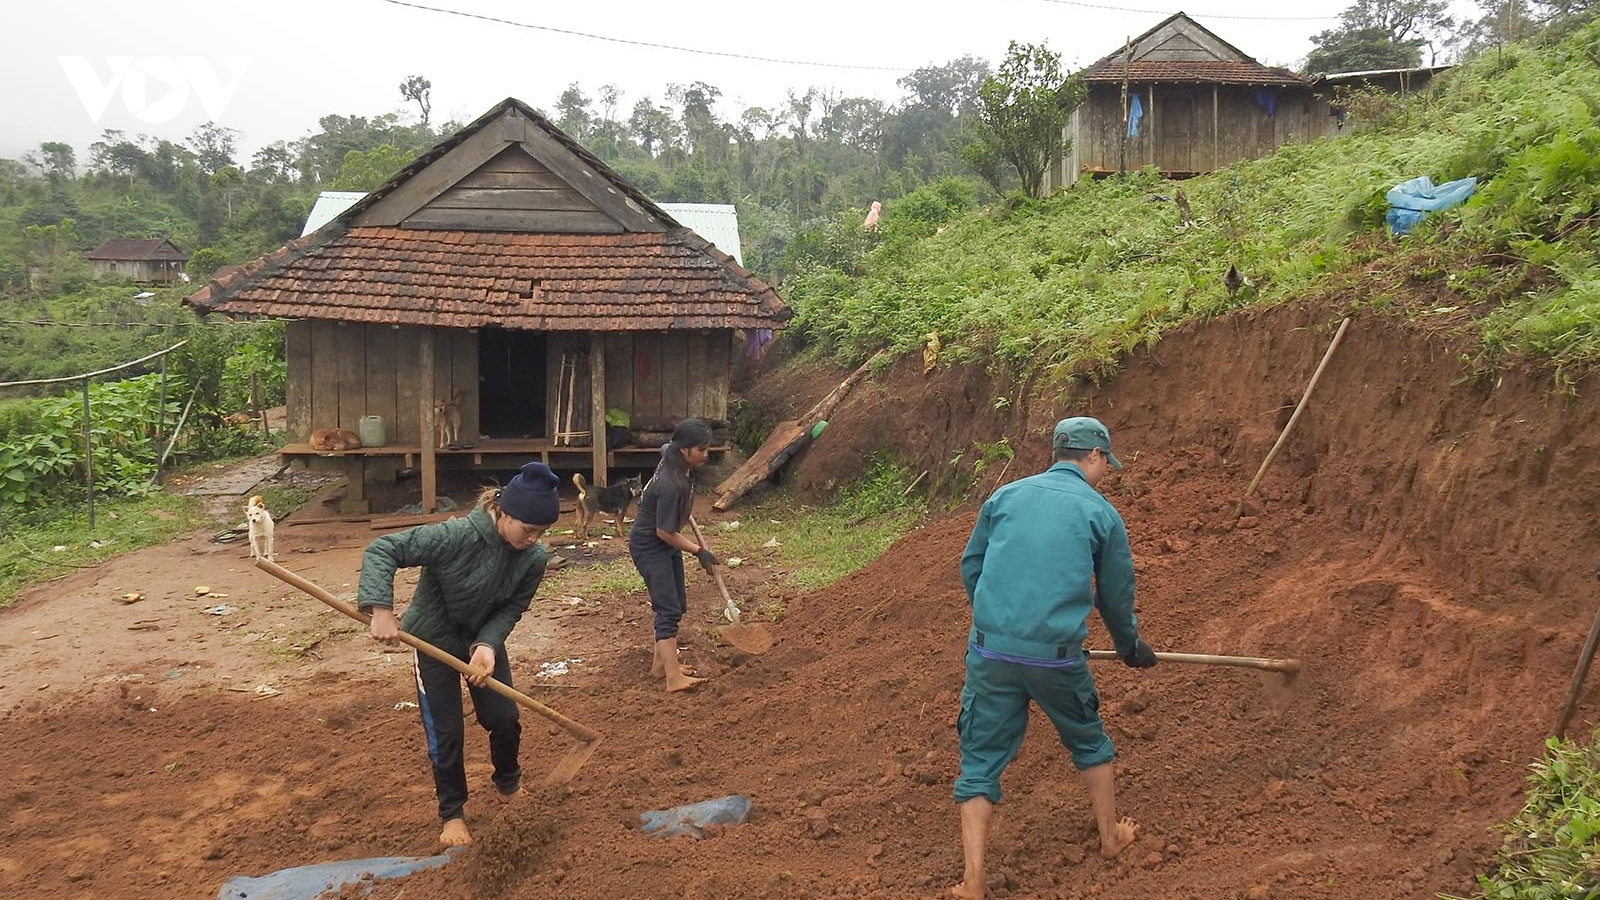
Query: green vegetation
{"points": [[1552, 848], [817, 545], [27, 543], [1107, 267]]}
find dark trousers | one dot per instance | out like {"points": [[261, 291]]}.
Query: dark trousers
{"points": [[439, 697], [663, 578]]}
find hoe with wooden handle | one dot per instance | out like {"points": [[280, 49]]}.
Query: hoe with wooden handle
{"points": [[588, 738], [1290, 668], [752, 639]]}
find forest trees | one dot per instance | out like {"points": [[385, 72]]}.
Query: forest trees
{"points": [[1379, 34], [1021, 116], [791, 167]]}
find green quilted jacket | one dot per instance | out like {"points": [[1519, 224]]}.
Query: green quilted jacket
{"points": [[474, 586]]}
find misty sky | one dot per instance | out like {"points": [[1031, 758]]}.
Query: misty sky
{"points": [[271, 69]]}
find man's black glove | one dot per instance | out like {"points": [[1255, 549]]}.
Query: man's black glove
{"points": [[707, 558], [1142, 656]]}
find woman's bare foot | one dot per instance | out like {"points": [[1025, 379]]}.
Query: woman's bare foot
{"points": [[455, 833], [965, 893], [681, 682], [657, 671], [1121, 838]]}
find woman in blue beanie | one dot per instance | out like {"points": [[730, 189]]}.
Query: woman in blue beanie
{"points": [[479, 573], [657, 547]]}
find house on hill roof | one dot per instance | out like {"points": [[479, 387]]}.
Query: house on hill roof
{"points": [[509, 269], [1182, 99], [147, 261]]}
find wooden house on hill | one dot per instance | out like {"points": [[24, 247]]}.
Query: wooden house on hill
{"points": [[153, 261], [512, 270], [1187, 102]]}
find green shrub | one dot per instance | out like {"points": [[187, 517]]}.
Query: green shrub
{"points": [[1552, 848]]}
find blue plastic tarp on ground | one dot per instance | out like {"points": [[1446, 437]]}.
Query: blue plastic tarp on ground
{"points": [[1410, 201], [692, 818], [312, 882]]}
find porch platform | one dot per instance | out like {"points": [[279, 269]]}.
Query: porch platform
{"points": [[494, 452]]}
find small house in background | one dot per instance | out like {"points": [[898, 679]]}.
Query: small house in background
{"points": [[1185, 101], [509, 273], [1336, 88], [153, 261]]}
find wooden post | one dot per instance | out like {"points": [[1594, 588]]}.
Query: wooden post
{"points": [[161, 405], [430, 472], [257, 400], [1216, 130], [88, 452], [597, 415], [1150, 123], [1122, 143], [1299, 408], [1580, 673]]}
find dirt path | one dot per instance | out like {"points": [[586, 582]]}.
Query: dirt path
{"points": [[1426, 587]]}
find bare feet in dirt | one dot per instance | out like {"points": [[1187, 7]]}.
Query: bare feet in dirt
{"points": [[681, 682], [1121, 838], [656, 671], [511, 796], [455, 833], [965, 893]]}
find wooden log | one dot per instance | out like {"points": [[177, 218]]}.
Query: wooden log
{"points": [[779, 447], [783, 443]]}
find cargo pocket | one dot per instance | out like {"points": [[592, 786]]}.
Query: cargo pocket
{"points": [[964, 716]]}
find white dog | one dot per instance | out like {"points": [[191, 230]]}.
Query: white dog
{"points": [[261, 528]]}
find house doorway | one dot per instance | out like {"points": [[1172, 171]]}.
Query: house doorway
{"points": [[512, 370]]}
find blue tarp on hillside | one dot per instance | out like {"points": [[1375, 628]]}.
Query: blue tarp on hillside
{"points": [[1410, 201]]}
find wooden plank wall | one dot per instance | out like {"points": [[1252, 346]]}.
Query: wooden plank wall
{"points": [[407, 355], [665, 376], [1243, 129], [297, 379], [339, 372], [619, 370], [514, 192]]}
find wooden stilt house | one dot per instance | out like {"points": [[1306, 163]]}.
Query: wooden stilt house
{"points": [[1185, 101], [511, 271]]}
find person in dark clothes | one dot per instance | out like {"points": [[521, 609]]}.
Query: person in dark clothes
{"points": [[657, 547], [479, 573]]}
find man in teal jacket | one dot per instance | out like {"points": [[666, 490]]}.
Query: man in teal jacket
{"points": [[1046, 549], [479, 573]]}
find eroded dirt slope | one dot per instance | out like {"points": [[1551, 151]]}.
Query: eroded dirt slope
{"points": [[1423, 545]]}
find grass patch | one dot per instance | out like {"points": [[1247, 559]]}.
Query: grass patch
{"points": [[1552, 848], [28, 557], [283, 500], [818, 545], [615, 576]]}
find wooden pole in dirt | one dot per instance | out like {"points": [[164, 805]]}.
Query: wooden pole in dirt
{"points": [[1580, 674], [430, 472], [88, 452], [1299, 408]]}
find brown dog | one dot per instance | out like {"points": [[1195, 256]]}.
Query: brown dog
{"points": [[615, 499], [332, 440]]}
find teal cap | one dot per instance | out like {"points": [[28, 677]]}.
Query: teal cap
{"points": [[1084, 433]]}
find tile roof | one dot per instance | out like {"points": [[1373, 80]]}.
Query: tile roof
{"points": [[1205, 72], [466, 279], [144, 250]]}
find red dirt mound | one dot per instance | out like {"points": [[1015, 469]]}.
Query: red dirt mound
{"points": [[1418, 546]]}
